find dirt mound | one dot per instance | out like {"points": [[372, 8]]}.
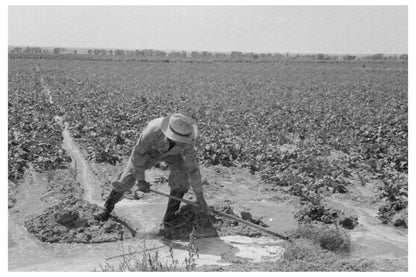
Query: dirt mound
{"points": [[190, 220], [318, 213], [73, 222]]}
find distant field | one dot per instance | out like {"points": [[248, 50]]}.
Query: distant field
{"points": [[277, 120]]}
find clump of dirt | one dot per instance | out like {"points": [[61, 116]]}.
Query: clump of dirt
{"points": [[395, 213], [189, 220], [318, 213], [249, 217], [72, 221]]}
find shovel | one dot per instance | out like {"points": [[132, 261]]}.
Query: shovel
{"points": [[229, 216]]}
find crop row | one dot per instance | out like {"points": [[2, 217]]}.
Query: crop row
{"points": [[33, 136]]}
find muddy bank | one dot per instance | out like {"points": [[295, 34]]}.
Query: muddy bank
{"points": [[72, 222], [67, 218]]}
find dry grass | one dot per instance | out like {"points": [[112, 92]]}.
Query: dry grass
{"points": [[145, 260], [330, 238]]}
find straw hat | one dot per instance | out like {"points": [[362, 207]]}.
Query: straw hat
{"points": [[179, 128]]}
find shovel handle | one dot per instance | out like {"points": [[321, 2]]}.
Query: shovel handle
{"points": [[229, 216], [175, 198]]}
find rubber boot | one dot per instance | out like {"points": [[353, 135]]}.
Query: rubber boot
{"points": [[173, 207], [111, 201]]}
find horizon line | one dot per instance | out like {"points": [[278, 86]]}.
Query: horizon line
{"points": [[212, 51]]}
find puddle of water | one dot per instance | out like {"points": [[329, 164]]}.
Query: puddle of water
{"points": [[212, 251], [279, 216], [257, 249], [144, 216]]}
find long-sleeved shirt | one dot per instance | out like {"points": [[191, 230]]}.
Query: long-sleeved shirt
{"points": [[153, 146]]}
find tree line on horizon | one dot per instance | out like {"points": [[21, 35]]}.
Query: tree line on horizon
{"points": [[150, 53]]}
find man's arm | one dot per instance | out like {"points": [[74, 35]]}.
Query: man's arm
{"points": [[191, 164], [138, 156]]}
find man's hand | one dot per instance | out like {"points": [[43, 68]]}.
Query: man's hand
{"points": [[143, 186], [201, 201]]}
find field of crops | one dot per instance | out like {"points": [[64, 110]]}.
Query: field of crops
{"points": [[305, 127]]}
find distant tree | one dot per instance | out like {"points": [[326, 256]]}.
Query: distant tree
{"points": [[377, 57], [119, 52], [110, 52], [220, 55], [103, 52], [349, 57], [159, 53], [96, 51], [205, 54], [139, 53], [174, 54], [57, 50], [236, 54], [183, 54], [194, 54], [320, 56], [89, 51], [148, 52], [403, 57], [75, 52], [17, 50]]}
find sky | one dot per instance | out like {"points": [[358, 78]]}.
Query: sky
{"points": [[295, 29]]}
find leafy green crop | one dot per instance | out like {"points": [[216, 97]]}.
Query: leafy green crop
{"points": [[307, 127]]}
